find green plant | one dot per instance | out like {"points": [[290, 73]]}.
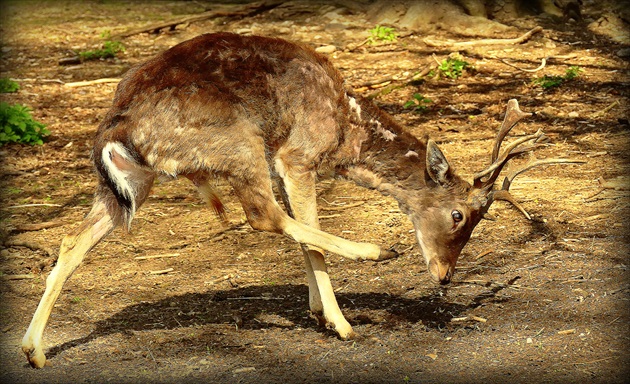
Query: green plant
{"points": [[109, 50], [548, 82], [453, 67], [572, 72], [17, 126], [8, 86], [418, 103], [380, 33]]}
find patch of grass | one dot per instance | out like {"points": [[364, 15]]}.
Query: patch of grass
{"points": [[381, 33], [13, 190], [548, 82], [109, 50], [453, 67], [8, 86], [418, 103], [18, 126]]}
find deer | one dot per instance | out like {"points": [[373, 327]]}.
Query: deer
{"points": [[253, 111]]}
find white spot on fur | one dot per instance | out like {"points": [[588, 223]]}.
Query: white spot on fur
{"points": [[354, 106], [387, 135], [412, 154]]}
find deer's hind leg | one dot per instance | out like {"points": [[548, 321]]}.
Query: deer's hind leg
{"points": [[101, 220], [298, 191]]}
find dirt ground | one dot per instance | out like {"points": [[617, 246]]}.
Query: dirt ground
{"points": [[544, 300]]}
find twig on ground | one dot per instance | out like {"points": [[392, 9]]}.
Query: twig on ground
{"points": [[463, 44], [18, 277], [604, 185], [541, 66], [483, 254], [244, 11], [256, 298], [34, 205], [605, 110], [466, 318], [92, 82], [161, 272], [38, 226], [322, 217], [220, 279], [156, 256], [402, 82]]}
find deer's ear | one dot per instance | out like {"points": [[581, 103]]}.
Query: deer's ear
{"points": [[438, 168]]}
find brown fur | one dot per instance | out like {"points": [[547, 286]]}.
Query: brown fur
{"points": [[250, 110]]}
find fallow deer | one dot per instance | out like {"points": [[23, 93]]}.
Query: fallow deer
{"points": [[250, 110]]}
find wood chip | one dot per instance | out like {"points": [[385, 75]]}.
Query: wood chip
{"points": [[220, 279], [567, 331], [484, 253], [244, 370], [161, 272]]}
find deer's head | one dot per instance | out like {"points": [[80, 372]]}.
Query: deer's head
{"points": [[445, 216]]}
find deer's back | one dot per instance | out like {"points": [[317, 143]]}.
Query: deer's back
{"points": [[206, 102]]}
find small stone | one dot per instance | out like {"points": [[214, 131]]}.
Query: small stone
{"points": [[623, 52], [326, 49], [529, 340]]}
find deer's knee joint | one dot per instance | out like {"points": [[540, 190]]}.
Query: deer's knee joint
{"points": [[264, 220]]}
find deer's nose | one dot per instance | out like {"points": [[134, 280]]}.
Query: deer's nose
{"points": [[440, 273]]}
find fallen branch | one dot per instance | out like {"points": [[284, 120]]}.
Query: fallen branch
{"points": [[463, 44], [92, 82], [402, 82], [38, 226], [244, 11], [18, 277], [35, 246], [605, 110]]}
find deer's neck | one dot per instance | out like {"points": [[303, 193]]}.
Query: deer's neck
{"points": [[391, 159]]}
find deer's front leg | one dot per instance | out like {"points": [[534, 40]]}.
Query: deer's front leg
{"points": [[73, 249], [299, 192]]}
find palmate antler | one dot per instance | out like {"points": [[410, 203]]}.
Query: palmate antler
{"points": [[485, 179]]}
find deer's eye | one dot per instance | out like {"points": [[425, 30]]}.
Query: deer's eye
{"points": [[457, 216]]}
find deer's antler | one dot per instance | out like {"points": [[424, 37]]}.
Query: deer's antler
{"points": [[520, 146]]}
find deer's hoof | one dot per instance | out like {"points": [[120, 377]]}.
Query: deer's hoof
{"points": [[35, 357], [387, 254], [347, 335]]}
